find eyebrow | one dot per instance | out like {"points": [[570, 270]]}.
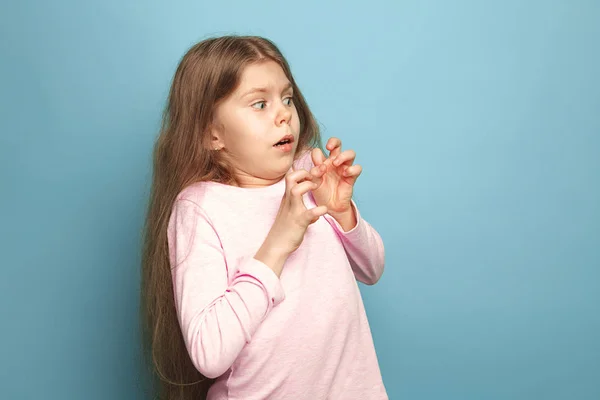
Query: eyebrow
{"points": [[288, 86]]}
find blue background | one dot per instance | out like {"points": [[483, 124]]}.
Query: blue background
{"points": [[478, 127]]}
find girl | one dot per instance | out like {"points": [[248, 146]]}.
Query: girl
{"points": [[253, 244]]}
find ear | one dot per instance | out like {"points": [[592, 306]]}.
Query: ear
{"points": [[215, 138]]}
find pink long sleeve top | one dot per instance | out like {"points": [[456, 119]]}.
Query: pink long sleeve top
{"points": [[304, 335]]}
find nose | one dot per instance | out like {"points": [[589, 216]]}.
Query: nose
{"points": [[284, 115]]}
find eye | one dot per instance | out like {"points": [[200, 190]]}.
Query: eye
{"points": [[290, 101], [263, 103]]}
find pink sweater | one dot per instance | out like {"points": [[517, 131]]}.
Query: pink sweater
{"points": [[304, 335]]}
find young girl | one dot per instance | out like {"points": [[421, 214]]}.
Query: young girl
{"points": [[253, 244]]}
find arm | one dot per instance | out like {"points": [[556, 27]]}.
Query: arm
{"points": [[217, 319], [362, 243], [363, 246]]}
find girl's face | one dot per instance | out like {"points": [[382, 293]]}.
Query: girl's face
{"points": [[249, 123]]}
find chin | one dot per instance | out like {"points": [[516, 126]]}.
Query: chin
{"points": [[287, 166]]}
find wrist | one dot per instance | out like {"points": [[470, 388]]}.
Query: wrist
{"points": [[346, 219], [272, 255]]}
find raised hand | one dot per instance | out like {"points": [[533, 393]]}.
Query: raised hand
{"points": [[292, 221], [335, 177]]}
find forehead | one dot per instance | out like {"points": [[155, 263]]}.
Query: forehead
{"points": [[268, 75]]}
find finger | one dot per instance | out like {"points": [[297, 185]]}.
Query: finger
{"points": [[353, 172], [334, 145], [294, 177], [317, 172], [299, 190], [346, 157], [315, 213], [317, 156]]}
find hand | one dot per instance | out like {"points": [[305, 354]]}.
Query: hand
{"points": [[335, 177], [291, 222]]}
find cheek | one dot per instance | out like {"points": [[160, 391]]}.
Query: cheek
{"points": [[296, 121], [241, 128]]}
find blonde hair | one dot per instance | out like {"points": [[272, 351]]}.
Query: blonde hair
{"points": [[208, 73]]}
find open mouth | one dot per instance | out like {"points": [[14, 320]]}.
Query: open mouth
{"points": [[288, 139]]}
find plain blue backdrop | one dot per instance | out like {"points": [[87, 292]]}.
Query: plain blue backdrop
{"points": [[478, 127]]}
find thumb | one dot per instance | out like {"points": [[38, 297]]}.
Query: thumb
{"points": [[317, 156], [315, 213]]}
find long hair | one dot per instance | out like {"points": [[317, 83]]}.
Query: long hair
{"points": [[208, 73]]}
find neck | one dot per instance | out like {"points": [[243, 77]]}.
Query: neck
{"points": [[249, 181]]}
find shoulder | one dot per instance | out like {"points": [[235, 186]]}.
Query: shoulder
{"points": [[196, 193], [189, 210], [210, 198]]}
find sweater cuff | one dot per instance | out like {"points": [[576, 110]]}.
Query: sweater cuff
{"points": [[252, 269], [339, 228]]}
